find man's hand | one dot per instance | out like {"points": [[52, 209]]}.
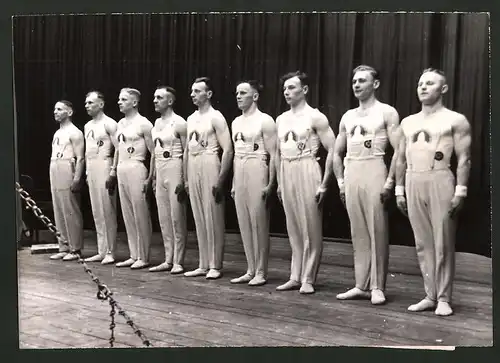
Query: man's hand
{"points": [[266, 195], [146, 185], [218, 194], [385, 196], [456, 205], [278, 192], [401, 203], [75, 186], [111, 183], [320, 196], [181, 193]]}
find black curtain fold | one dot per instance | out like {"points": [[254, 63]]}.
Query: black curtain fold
{"points": [[65, 56]]}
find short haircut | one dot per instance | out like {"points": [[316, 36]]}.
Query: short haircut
{"points": [[67, 104], [434, 70], [97, 93], [132, 91], [304, 79], [169, 89], [375, 74], [256, 85], [207, 81]]}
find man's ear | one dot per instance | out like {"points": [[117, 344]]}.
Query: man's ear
{"points": [[444, 89], [376, 84], [306, 89]]}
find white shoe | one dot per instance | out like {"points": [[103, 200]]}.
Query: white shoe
{"points": [[108, 260], [95, 258], [70, 257], [139, 264], [177, 269], [242, 279], [58, 256], [213, 274], [196, 273], [165, 266], [127, 263]]}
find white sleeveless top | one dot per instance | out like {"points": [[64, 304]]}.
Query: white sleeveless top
{"points": [[62, 149], [201, 138], [131, 143], [166, 140], [98, 144], [367, 134], [296, 135], [247, 136]]}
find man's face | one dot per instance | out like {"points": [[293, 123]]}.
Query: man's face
{"points": [[199, 93], [126, 102], [162, 100], [245, 96], [430, 88], [61, 112], [93, 104], [363, 85], [293, 91]]}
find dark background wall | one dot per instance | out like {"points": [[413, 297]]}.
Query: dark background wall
{"points": [[59, 57]]}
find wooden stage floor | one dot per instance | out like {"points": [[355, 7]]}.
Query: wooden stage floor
{"points": [[58, 307]]}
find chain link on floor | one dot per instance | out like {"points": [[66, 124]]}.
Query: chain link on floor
{"points": [[103, 293]]}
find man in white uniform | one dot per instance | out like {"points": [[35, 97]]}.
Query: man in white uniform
{"points": [[134, 142], [254, 135], [428, 140], [67, 165], [166, 171], [301, 187], [99, 139], [365, 131], [208, 133]]}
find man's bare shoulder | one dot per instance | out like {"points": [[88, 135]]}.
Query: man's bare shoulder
{"points": [[75, 132], [108, 119], [455, 117], [387, 109], [179, 119]]}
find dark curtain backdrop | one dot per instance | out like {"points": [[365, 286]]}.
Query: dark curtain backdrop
{"points": [[59, 57]]}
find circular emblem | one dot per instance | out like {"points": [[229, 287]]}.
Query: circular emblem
{"points": [[255, 147], [368, 144], [59, 155], [100, 143], [130, 150], [301, 145], [166, 154], [203, 143], [438, 156]]}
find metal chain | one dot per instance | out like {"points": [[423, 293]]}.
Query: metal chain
{"points": [[103, 293]]}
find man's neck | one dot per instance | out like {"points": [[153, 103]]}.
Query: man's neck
{"points": [[369, 102], [430, 109], [204, 108], [65, 123], [165, 115], [250, 110], [98, 117], [299, 106], [131, 114]]}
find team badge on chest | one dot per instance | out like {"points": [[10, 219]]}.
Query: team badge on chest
{"points": [[130, 149], [368, 144], [166, 154]]}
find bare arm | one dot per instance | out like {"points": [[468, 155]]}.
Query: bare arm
{"points": [[400, 161], [338, 152], [146, 132], [392, 125], [269, 136], [224, 138], [111, 126], [181, 129], [327, 138], [462, 142], [277, 157], [78, 143]]}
